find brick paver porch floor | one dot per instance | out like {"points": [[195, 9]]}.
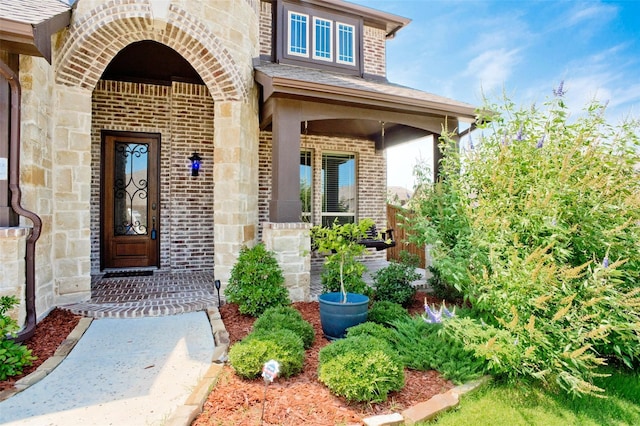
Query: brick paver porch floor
{"points": [[166, 293]]}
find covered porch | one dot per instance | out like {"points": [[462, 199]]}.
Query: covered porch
{"points": [[165, 293]]}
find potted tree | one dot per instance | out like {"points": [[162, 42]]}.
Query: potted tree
{"points": [[344, 305]]}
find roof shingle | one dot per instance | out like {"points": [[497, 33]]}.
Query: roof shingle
{"points": [[31, 11]]}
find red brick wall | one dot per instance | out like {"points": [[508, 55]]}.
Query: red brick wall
{"points": [[265, 28], [183, 115], [375, 59], [371, 176]]}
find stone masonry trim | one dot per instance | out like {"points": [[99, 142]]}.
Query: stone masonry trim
{"points": [[93, 41]]}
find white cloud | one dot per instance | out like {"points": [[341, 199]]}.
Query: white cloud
{"points": [[593, 12], [492, 68]]}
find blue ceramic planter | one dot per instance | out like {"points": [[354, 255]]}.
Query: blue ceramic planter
{"points": [[336, 316]]}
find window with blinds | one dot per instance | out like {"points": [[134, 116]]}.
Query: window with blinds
{"points": [[339, 190]]}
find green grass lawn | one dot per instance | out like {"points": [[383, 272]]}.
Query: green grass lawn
{"points": [[518, 404]]}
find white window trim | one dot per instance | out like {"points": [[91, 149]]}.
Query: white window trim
{"points": [[315, 35], [309, 215], [354, 214], [353, 44], [306, 35]]}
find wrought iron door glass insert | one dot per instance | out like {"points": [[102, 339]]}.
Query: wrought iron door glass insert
{"points": [[131, 188]]}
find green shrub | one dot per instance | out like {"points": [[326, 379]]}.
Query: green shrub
{"points": [[13, 356], [360, 368], [423, 346], [256, 282], [370, 329], [362, 343], [286, 317], [537, 227], [393, 282], [248, 356], [442, 289], [384, 312]]}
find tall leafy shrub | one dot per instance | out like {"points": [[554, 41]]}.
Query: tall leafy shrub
{"points": [[256, 282], [537, 225]]}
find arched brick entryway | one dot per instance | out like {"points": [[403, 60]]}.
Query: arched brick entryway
{"points": [[95, 38], [98, 34]]}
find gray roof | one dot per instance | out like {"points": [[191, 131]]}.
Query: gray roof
{"points": [[31, 11], [362, 87]]}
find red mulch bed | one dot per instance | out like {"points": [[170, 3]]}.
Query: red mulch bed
{"points": [[48, 335], [302, 399]]}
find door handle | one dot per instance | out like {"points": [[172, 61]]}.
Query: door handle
{"points": [[153, 206]]}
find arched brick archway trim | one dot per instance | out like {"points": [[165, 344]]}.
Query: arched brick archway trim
{"points": [[96, 38]]}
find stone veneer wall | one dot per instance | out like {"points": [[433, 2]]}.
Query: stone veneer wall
{"points": [[292, 247], [183, 114], [12, 268], [54, 179], [371, 177], [374, 46]]}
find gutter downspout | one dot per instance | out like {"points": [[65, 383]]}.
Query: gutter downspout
{"points": [[16, 195]]}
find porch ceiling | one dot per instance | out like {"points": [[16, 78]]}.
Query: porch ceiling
{"points": [[26, 26], [344, 105]]}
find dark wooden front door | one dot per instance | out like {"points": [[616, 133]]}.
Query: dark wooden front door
{"points": [[130, 208]]}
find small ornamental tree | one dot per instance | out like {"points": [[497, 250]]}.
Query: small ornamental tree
{"points": [[538, 226], [342, 240]]}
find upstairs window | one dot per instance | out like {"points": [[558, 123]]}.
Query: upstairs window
{"points": [[298, 34], [315, 37], [346, 44], [322, 39]]}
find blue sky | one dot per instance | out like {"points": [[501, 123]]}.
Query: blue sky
{"points": [[462, 49]]}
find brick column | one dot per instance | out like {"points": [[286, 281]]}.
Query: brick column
{"points": [[291, 243], [13, 242]]}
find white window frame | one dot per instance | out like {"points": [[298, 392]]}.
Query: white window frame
{"points": [[306, 34], [339, 47], [353, 214], [316, 19], [308, 216]]}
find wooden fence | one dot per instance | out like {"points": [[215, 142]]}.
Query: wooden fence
{"points": [[395, 222]]}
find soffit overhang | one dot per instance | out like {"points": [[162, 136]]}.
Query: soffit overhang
{"points": [[26, 26], [359, 105]]}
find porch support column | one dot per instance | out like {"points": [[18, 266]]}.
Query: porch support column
{"points": [[285, 205]]}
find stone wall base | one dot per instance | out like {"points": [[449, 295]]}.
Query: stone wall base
{"points": [[291, 243], [13, 246]]}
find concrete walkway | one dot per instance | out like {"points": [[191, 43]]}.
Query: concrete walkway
{"points": [[121, 372]]}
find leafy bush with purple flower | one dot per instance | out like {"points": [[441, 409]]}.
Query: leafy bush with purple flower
{"points": [[538, 228]]}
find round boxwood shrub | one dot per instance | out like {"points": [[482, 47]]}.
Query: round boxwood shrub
{"points": [[256, 282], [286, 317], [248, 356], [393, 282], [371, 329], [362, 376], [360, 343], [385, 312]]}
